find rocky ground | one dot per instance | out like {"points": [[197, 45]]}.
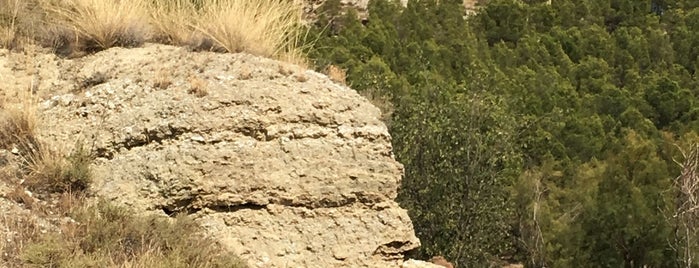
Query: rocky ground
{"points": [[279, 164]]}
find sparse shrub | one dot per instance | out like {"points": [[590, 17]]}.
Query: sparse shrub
{"points": [[53, 172], [110, 236], [47, 253], [18, 230]]}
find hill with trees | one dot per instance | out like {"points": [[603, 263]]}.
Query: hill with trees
{"points": [[552, 134]]}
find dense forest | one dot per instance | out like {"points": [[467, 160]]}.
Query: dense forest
{"points": [[549, 133]]}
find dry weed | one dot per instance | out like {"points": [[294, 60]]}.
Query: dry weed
{"points": [[17, 231], [53, 171], [99, 24], [336, 74], [245, 73], [105, 235], [18, 123], [163, 79], [198, 87]]}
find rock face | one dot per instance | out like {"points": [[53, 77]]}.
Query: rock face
{"points": [[282, 166]]}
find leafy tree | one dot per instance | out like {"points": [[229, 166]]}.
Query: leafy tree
{"points": [[459, 157]]}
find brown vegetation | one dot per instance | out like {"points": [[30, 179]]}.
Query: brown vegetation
{"points": [[441, 261], [74, 27], [103, 235], [46, 219], [336, 74]]}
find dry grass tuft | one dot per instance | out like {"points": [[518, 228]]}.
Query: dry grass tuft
{"points": [[336, 74], [18, 123], [266, 28], [172, 22], [198, 87], [99, 24], [9, 14], [46, 169], [54, 172], [19, 22], [104, 235]]}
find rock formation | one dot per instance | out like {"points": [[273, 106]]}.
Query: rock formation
{"points": [[279, 164]]}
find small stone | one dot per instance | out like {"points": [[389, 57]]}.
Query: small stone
{"points": [[48, 104], [341, 252], [198, 138], [67, 99]]}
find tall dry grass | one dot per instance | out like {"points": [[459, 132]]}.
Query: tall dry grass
{"points": [[173, 22], [101, 24], [9, 10], [269, 28], [19, 19], [260, 27], [18, 124]]}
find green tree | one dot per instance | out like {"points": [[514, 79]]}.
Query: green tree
{"points": [[459, 158], [626, 225]]}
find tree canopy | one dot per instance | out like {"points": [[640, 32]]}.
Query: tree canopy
{"points": [[542, 132]]}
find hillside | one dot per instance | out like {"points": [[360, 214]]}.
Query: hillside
{"points": [[550, 133]]}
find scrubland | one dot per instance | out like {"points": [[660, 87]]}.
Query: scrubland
{"points": [[47, 216]]}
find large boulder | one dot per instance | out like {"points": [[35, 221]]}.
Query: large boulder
{"points": [[278, 163]]}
